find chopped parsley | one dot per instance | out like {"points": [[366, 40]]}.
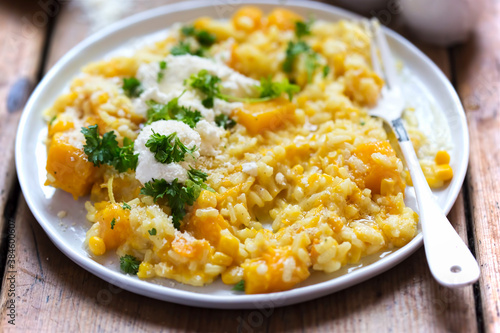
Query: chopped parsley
{"points": [[181, 49], [223, 120], [303, 28], [210, 85], [293, 50], [52, 120], [168, 148], [198, 177], [270, 90], [207, 84], [240, 286], [326, 71], [152, 232], [129, 264], [177, 194], [311, 64], [105, 149], [173, 111], [163, 66], [126, 206], [203, 37], [188, 30], [113, 222], [132, 87]]}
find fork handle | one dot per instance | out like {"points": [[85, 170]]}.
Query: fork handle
{"points": [[450, 260]]}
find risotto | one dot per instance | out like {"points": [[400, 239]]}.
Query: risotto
{"points": [[240, 148]]}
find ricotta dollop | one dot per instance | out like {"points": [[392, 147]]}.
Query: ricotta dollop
{"points": [[171, 85], [149, 168]]}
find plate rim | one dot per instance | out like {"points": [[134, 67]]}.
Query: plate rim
{"points": [[230, 301]]}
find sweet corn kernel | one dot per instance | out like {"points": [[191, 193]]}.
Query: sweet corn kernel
{"points": [[207, 199], [229, 244], [97, 246], [145, 270], [232, 275], [350, 211], [299, 169], [301, 100], [434, 182], [444, 172], [387, 186], [284, 19], [407, 177], [103, 98], [442, 157], [221, 259], [248, 18]]}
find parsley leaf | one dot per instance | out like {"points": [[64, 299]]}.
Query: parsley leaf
{"points": [[152, 232], [181, 49], [157, 112], [188, 116], [188, 30], [197, 176], [240, 286], [203, 37], [129, 264], [126, 158], [155, 188], [163, 66], [292, 51], [174, 111], [185, 48], [176, 194], [311, 64], [326, 71], [132, 87], [195, 184], [269, 89], [113, 222], [99, 150], [210, 85], [303, 28], [105, 150], [126, 206], [168, 149], [207, 84], [223, 120]]}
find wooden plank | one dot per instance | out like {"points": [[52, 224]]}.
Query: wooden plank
{"points": [[404, 299], [57, 295], [22, 35], [67, 34], [477, 64]]}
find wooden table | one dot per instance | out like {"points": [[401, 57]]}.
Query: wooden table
{"points": [[54, 294]]}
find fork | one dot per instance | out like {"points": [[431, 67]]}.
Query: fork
{"points": [[450, 260]]}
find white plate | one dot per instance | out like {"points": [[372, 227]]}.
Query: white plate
{"points": [[68, 234]]}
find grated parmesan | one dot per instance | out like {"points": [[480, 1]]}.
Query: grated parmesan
{"points": [[149, 168]]}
